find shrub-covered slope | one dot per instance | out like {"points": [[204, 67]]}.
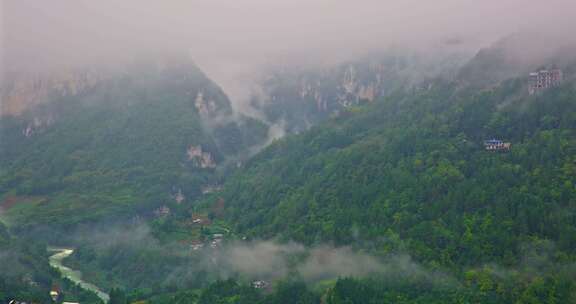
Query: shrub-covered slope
{"points": [[411, 173], [136, 140]]}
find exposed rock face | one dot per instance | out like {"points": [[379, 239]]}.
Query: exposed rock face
{"points": [[200, 158], [20, 92], [204, 107], [133, 120], [356, 89], [162, 211], [179, 196], [37, 125], [346, 89], [303, 96]]}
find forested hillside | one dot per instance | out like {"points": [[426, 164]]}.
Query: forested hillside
{"points": [[418, 158], [287, 152], [25, 272], [410, 174], [404, 182], [405, 176], [137, 140], [299, 97]]}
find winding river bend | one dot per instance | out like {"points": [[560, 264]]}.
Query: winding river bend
{"points": [[73, 275]]}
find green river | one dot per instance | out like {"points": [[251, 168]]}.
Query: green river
{"points": [[71, 274]]}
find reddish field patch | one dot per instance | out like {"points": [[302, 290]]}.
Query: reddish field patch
{"points": [[11, 201]]}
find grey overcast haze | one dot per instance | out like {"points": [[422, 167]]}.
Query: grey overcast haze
{"points": [[288, 151], [230, 39], [83, 31]]}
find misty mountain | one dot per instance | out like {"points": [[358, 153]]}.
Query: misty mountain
{"points": [[518, 54], [104, 143], [410, 173], [298, 97], [287, 152], [421, 150], [405, 180], [294, 97], [163, 190]]}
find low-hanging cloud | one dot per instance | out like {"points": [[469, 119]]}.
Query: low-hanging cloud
{"points": [[232, 40], [267, 260], [250, 30], [326, 262], [236, 42], [271, 260]]}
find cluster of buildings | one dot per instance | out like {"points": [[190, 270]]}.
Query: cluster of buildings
{"points": [[18, 302], [544, 79], [216, 240], [55, 298], [162, 211], [496, 145], [214, 243], [196, 245], [259, 284], [537, 82]]}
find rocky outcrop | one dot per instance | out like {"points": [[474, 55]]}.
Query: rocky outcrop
{"points": [[162, 211], [200, 158], [204, 106], [179, 196], [23, 91], [37, 125], [302, 96]]}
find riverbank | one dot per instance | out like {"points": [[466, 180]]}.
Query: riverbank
{"points": [[75, 276]]}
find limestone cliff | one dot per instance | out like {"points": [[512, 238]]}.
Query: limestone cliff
{"points": [[302, 97], [24, 91], [201, 158]]}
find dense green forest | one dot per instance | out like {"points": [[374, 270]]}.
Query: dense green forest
{"points": [[26, 275], [410, 174], [120, 148], [418, 161], [404, 178], [21, 264], [366, 291]]}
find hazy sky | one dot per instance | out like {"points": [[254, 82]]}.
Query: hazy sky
{"points": [[230, 39], [71, 31]]}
